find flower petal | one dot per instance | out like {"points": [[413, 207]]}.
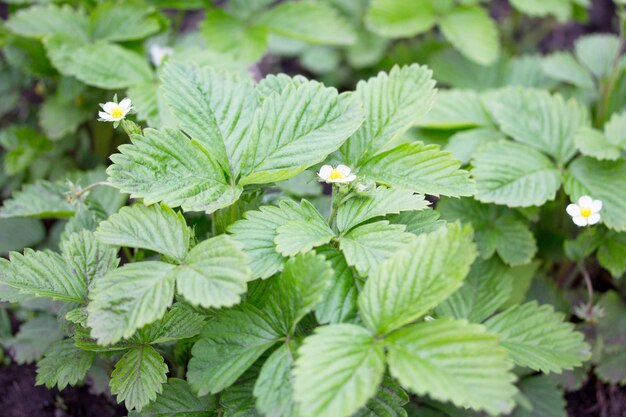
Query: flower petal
{"points": [[585, 201], [125, 104], [349, 178], [573, 210], [580, 221], [594, 218], [105, 116], [109, 106], [325, 171], [596, 206], [345, 170]]}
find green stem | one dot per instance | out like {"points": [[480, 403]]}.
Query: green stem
{"points": [[334, 204], [588, 284], [92, 186]]}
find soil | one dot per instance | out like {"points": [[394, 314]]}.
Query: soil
{"points": [[596, 399]]}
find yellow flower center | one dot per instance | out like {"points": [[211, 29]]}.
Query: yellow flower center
{"points": [[336, 174], [585, 211], [117, 112]]}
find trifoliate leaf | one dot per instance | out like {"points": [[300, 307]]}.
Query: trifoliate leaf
{"points": [[612, 253], [320, 121], [538, 119], [338, 369], [40, 21], [33, 339], [563, 66], [388, 401], [600, 180], [473, 32], [422, 168], [214, 273], [63, 364], [368, 245], [167, 166], [123, 22], [258, 229], [86, 257], [598, 52], [515, 175], [228, 345], [378, 202], [42, 199], [308, 21], [156, 227], [339, 304], [487, 287], [393, 103], [273, 388], [398, 18], [302, 235], [213, 107], [180, 322], [544, 397], [128, 298], [138, 377], [456, 109], [453, 361], [177, 400], [413, 281], [537, 337]]}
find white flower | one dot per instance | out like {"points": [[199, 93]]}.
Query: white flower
{"points": [[586, 212], [113, 111], [158, 53], [341, 174]]}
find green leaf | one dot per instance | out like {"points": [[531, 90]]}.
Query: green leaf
{"points": [[63, 364], [537, 337], [615, 130], [123, 22], [149, 104], [368, 245], [33, 339], [302, 235], [487, 287], [600, 179], [339, 304], [214, 273], [466, 143], [59, 118], [238, 400], [538, 119], [612, 253], [456, 109], [393, 103], [180, 322], [592, 142], [17, 234], [167, 166], [42, 199], [277, 83], [273, 388], [320, 120], [561, 9], [422, 168], [388, 401], [400, 19], [473, 32], [228, 346], [157, 228], [87, 258], [515, 175], [258, 229], [177, 400], [338, 369], [543, 396], [379, 202], [40, 21], [23, 145], [418, 222], [422, 275], [598, 52], [308, 21], [138, 377], [563, 66], [453, 361], [128, 298], [213, 107]]}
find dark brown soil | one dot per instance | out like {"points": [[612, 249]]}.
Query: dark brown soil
{"points": [[596, 399], [19, 397]]}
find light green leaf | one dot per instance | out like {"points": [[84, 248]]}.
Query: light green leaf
{"points": [[138, 377], [393, 103], [487, 287], [302, 235], [308, 21], [515, 175], [422, 168], [87, 258], [598, 52], [592, 142], [466, 143], [17, 234], [542, 394], [368, 245], [600, 180], [473, 32], [128, 298], [422, 275], [273, 388], [318, 119], [338, 369], [40, 21], [180, 322], [277, 83], [33, 339], [612, 253], [177, 400], [42, 199], [538, 337], [563, 66], [388, 401], [228, 345], [156, 227], [63, 364], [339, 304], [399, 18], [561, 9], [213, 107], [167, 166], [538, 119], [514, 242], [123, 21], [615, 130], [456, 109], [453, 361], [214, 273], [59, 118]]}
